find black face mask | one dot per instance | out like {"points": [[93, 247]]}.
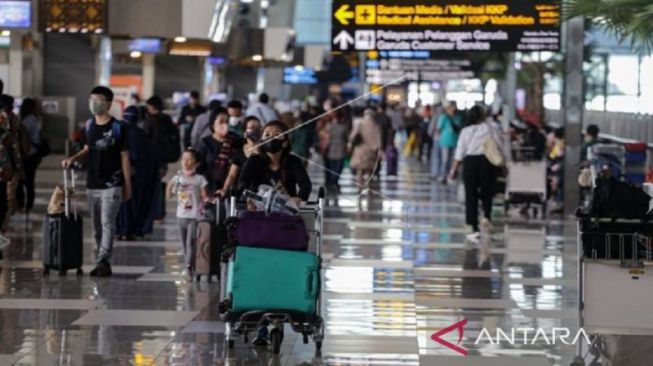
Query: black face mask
{"points": [[273, 146], [253, 135]]}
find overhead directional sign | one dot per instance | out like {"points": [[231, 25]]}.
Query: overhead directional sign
{"points": [[383, 70], [446, 26]]}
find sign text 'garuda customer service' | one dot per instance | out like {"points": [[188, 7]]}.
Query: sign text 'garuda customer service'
{"points": [[446, 25]]}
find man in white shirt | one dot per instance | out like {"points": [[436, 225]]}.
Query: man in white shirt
{"points": [[262, 110]]}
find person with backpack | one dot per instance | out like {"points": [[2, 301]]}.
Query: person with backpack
{"points": [[188, 116], [136, 217], [165, 138], [30, 131], [108, 179], [14, 129], [449, 126]]}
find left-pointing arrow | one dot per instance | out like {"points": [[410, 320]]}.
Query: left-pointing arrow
{"points": [[343, 39], [343, 14]]}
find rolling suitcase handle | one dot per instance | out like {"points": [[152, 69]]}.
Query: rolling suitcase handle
{"points": [[312, 284], [69, 188]]}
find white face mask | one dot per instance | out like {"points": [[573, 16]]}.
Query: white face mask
{"points": [[234, 121]]}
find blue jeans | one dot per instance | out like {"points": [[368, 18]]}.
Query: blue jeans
{"points": [[435, 159], [334, 166], [444, 163], [104, 205]]}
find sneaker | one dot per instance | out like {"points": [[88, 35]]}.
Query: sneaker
{"points": [[486, 226], [474, 237], [187, 274], [103, 269]]}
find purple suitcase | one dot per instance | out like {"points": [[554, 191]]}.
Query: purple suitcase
{"points": [[272, 231]]}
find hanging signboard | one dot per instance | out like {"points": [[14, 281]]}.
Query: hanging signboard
{"points": [[446, 25], [383, 71]]}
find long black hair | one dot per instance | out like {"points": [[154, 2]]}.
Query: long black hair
{"points": [[475, 115], [27, 108]]}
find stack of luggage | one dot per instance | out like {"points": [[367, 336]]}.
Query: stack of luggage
{"points": [[636, 162], [271, 278]]}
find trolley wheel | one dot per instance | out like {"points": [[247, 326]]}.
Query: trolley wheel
{"points": [[231, 344], [276, 337], [80, 272], [63, 272], [578, 361]]}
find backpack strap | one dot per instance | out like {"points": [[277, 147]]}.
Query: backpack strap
{"points": [[116, 127]]}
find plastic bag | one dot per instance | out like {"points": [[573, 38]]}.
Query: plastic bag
{"points": [[271, 200]]}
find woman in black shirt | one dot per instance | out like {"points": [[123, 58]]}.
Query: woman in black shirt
{"points": [[252, 138], [275, 166], [218, 151]]}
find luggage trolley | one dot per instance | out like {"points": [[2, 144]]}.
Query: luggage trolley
{"points": [[526, 184], [245, 322], [615, 280]]}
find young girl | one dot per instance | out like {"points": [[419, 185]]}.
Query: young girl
{"points": [[191, 191]]}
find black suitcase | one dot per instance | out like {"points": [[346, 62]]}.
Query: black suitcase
{"points": [[210, 238], [63, 237]]}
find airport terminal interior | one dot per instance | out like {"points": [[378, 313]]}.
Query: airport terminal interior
{"points": [[326, 182]]}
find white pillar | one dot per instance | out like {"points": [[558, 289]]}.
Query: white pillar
{"points": [[103, 62], [15, 86], [149, 70]]}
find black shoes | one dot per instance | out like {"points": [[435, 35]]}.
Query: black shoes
{"points": [[103, 269]]}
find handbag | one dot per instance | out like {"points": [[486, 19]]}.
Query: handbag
{"points": [[491, 150]]}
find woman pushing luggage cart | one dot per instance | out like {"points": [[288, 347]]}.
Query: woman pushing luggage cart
{"points": [[269, 278]]}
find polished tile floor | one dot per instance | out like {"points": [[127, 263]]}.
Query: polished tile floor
{"points": [[397, 269]]}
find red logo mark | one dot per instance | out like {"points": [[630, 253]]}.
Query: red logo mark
{"points": [[455, 347]]}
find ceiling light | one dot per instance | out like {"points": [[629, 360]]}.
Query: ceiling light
{"points": [[5, 33], [180, 39], [135, 54], [257, 58]]}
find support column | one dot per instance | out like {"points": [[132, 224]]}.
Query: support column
{"points": [[103, 61], [573, 106], [149, 70], [15, 86], [509, 112]]}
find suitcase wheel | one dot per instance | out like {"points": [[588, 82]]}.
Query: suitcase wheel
{"points": [[63, 272], [578, 362], [276, 339], [80, 272]]}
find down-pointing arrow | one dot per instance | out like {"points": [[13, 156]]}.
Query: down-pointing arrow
{"points": [[343, 39]]}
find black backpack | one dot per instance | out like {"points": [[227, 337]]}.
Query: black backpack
{"points": [[613, 198], [171, 141]]}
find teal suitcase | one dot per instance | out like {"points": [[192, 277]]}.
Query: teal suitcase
{"points": [[270, 279]]}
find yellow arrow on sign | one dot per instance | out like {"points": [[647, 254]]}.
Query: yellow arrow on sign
{"points": [[343, 14]]}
